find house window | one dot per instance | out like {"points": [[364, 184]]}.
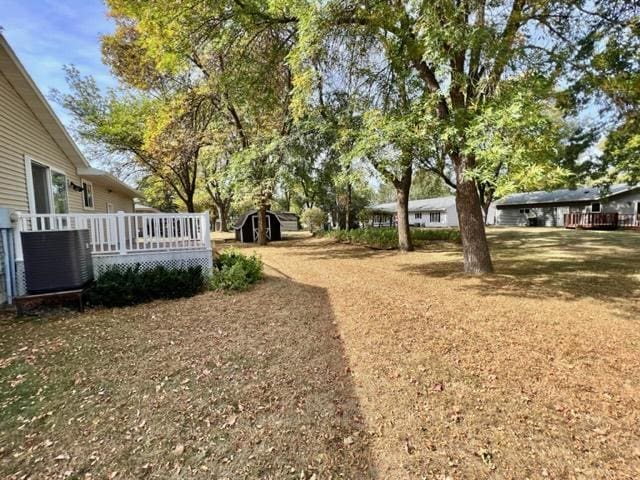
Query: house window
{"points": [[434, 217], [47, 188], [418, 215], [87, 195], [595, 207], [525, 210], [59, 192]]}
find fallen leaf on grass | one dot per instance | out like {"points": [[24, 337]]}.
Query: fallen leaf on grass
{"points": [[231, 421], [179, 450]]}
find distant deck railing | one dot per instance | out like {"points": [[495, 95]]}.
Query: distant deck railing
{"points": [[601, 220], [125, 233]]}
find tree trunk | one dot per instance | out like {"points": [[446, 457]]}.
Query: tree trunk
{"points": [[222, 216], [347, 211], [477, 259], [287, 201], [485, 211], [486, 197], [190, 204], [402, 201], [262, 224]]}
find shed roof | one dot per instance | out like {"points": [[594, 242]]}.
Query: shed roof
{"points": [[566, 195], [287, 216], [243, 218], [423, 205]]}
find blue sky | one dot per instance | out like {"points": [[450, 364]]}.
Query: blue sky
{"points": [[47, 34]]}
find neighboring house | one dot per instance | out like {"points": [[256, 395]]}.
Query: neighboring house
{"points": [[47, 184], [428, 212], [289, 222], [549, 208]]}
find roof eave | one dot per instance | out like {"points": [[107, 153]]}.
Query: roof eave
{"points": [[22, 82], [107, 179]]}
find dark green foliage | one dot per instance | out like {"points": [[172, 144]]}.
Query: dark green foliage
{"points": [[120, 286], [387, 238], [235, 271]]}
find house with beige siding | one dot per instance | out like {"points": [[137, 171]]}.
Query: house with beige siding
{"points": [[47, 184], [41, 169]]}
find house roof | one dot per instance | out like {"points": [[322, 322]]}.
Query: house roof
{"points": [[243, 218], [287, 216], [423, 205], [141, 208], [21, 81], [581, 194], [108, 180]]}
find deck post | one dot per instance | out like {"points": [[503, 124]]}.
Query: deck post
{"points": [[122, 238], [205, 229], [17, 239]]}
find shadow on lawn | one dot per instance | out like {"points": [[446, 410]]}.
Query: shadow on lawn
{"points": [[561, 263], [252, 385]]}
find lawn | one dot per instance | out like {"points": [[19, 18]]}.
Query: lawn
{"points": [[346, 362]]}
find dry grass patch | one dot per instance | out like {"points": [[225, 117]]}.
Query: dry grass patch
{"points": [[528, 373], [347, 363], [217, 386]]}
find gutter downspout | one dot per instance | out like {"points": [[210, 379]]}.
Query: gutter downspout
{"points": [[8, 265]]}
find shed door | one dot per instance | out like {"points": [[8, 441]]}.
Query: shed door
{"points": [[255, 222]]}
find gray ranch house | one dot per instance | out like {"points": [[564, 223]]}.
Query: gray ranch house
{"points": [[426, 212], [585, 207]]}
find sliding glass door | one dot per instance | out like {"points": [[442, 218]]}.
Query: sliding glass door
{"points": [[47, 189], [40, 182]]}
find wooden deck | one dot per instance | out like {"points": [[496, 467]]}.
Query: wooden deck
{"points": [[601, 221]]}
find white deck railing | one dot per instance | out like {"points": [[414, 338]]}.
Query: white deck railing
{"points": [[125, 233]]}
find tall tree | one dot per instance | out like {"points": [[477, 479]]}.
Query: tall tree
{"points": [[159, 134], [462, 52], [424, 184], [236, 52], [614, 76]]}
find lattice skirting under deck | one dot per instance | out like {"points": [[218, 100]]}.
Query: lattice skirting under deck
{"points": [[176, 259]]}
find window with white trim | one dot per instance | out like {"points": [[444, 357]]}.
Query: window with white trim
{"points": [[418, 215], [434, 217], [87, 195], [59, 192], [595, 207]]}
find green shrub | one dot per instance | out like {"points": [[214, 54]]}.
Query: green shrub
{"points": [[119, 286], [446, 234], [313, 219], [235, 271], [387, 238]]}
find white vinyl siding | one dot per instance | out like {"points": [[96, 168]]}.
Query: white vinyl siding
{"points": [[102, 197]]}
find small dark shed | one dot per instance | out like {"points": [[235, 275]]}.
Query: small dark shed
{"points": [[247, 227]]}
